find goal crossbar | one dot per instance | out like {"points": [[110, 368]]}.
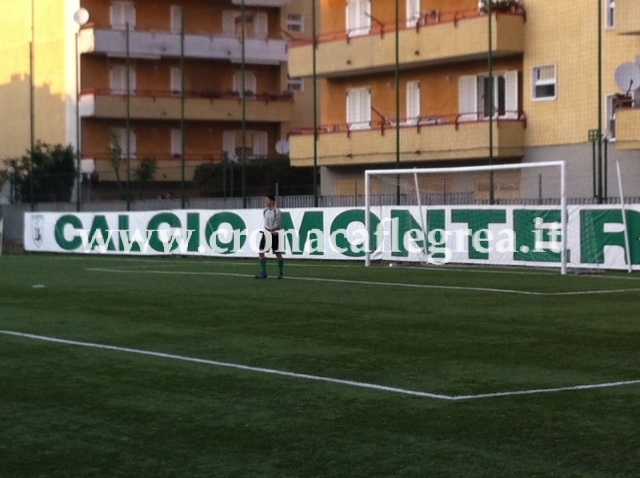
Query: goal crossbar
{"points": [[468, 169]]}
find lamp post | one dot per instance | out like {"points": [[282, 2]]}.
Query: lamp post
{"points": [[315, 104], [128, 118], [81, 17]]}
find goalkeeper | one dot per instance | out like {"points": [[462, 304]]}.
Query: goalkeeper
{"points": [[270, 237]]}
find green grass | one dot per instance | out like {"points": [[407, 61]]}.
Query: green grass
{"points": [[75, 411]]}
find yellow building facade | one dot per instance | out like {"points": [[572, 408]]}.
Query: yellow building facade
{"points": [[166, 79], [421, 95]]}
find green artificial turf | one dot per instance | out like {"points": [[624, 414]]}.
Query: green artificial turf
{"points": [[81, 411]]}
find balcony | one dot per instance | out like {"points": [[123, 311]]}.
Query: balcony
{"points": [[436, 39], [627, 129], [160, 44], [199, 106], [262, 3], [430, 139], [627, 15]]}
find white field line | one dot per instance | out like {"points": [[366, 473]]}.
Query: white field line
{"points": [[318, 378], [360, 282]]}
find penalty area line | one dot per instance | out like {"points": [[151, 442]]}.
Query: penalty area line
{"points": [[319, 378], [369, 283], [282, 373]]}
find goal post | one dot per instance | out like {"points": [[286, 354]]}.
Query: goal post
{"points": [[431, 201]]}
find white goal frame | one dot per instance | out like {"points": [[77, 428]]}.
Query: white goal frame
{"points": [[466, 169]]}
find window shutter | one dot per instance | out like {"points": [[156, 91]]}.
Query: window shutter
{"points": [[511, 95], [176, 19], [117, 80], [467, 98], [176, 80], [260, 143], [359, 108], [228, 23], [413, 13], [262, 26], [229, 144], [176, 142], [413, 102]]}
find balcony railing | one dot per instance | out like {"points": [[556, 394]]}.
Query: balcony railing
{"points": [[450, 137], [435, 38], [162, 44], [205, 105], [427, 18]]}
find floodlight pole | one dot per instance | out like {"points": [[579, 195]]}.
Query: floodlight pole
{"points": [[315, 103], [397, 78], [128, 118], [182, 113], [244, 108], [491, 99], [32, 107]]}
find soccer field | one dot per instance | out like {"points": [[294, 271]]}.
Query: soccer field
{"points": [[174, 367]]}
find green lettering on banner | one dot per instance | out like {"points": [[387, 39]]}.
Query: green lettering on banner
{"points": [[123, 225], [528, 227], [593, 237], [297, 239], [193, 224], [478, 220], [237, 224], [155, 222], [61, 223], [406, 224], [101, 226], [342, 222], [436, 221]]}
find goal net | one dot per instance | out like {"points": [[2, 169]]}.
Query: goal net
{"points": [[502, 215]]}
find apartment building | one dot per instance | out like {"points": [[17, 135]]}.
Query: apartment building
{"points": [[421, 95], [183, 82]]}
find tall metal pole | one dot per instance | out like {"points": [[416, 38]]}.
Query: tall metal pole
{"points": [[78, 174], [32, 107], [315, 104], [182, 123], [491, 94], [128, 118], [397, 78], [244, 109], [599, 139]]}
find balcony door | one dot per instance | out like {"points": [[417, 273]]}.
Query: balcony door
{"points": [[118, 80], [478, 100], [359, 108], [358, 17], [413, 13], [122, 13]]}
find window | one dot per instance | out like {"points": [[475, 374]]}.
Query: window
{"points": [[121, 134], [610, 13], [176, 19], [176, 142], [295, 23], [359, 108], [118, 80], [544, 82], [256, 144], [413, 13], [295, 84], [122, 13], [475, 97], [176, 81], [413, 102], [610, 113], [250, 82], [256, 25], [358, 17]]}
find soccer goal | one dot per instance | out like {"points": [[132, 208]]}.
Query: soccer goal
{"points": [[509, 215]]}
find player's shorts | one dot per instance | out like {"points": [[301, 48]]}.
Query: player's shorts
{"points": [[270, 245]]}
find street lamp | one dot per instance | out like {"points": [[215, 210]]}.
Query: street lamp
{"points": [[81, 17]]}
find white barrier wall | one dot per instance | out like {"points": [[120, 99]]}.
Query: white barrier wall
{"points": [[505, 235]]}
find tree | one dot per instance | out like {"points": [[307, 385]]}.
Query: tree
{"points": [[47, 170], [144, 174], [115, 157]]}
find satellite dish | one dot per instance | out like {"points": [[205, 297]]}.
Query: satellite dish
{"points": [[282, 146], [627, 77], [81, 17]]}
